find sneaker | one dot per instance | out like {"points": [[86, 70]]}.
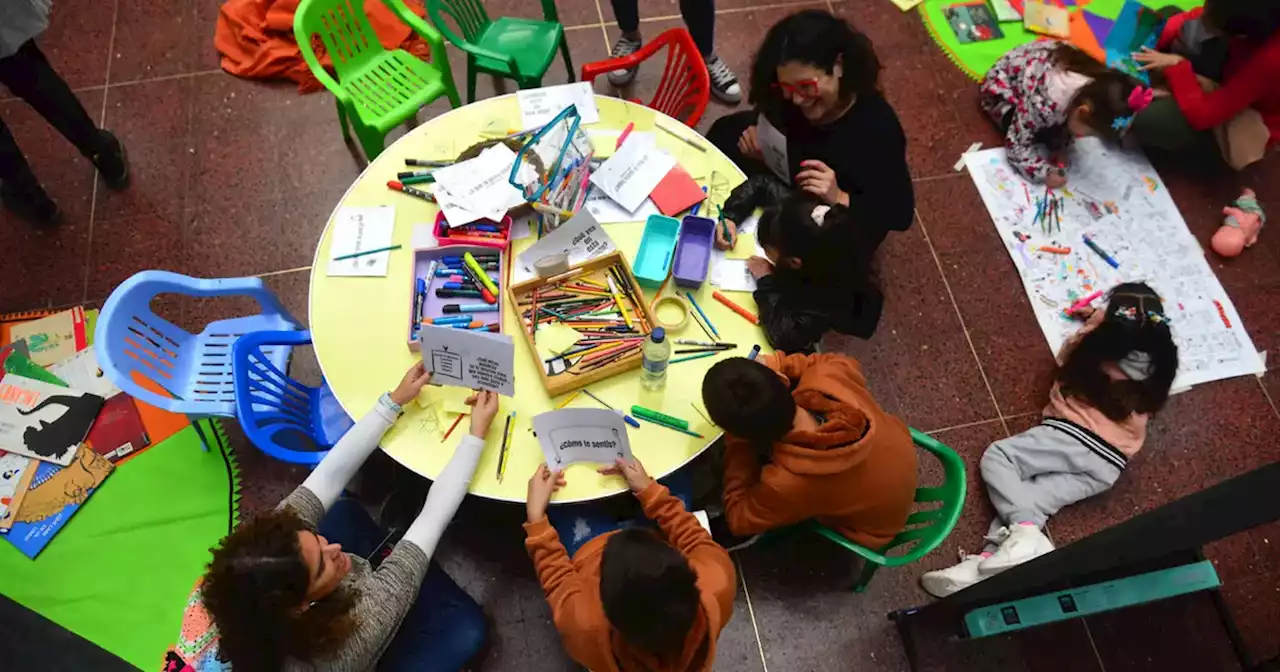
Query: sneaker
{"points": [[35, 206], [111, 162], [1021, 543], [724, 85], [624, 47], [944, 582]]}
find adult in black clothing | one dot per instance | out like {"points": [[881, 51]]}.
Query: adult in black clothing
{"points": [[816, 79]]}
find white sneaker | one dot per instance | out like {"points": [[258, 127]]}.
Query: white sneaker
{"points": [[623, 47], [1020, 544], [943, 582], [724, 85]]}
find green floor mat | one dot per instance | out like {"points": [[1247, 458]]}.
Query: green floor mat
{"points": [[120, 572], [1089, 30]]}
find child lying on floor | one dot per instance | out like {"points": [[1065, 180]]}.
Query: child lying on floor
{"points": [[1115, 373], [805, 439], [1043, 94]]}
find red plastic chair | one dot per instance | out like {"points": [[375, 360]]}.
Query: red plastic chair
{"points": [[685, 87]]}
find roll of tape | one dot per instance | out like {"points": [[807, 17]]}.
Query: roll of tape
{"points": [[674, 301], [552, 264]]}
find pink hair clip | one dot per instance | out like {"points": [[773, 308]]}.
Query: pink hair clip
{"points": [[1140, 98]]}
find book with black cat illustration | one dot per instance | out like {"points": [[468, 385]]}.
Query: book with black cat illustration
{"points": [[42, 420]]}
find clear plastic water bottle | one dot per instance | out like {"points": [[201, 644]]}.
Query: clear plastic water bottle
{"points": [[657, 353]]}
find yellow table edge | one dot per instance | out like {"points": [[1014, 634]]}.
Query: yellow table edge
{"points": [[355, 320]]}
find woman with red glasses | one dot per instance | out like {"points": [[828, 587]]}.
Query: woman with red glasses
{"points": [[816, 80]]}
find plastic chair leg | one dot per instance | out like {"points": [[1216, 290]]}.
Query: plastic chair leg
{"points": [[471, 81], [204, 440], [868, 570], [342, 120], [371, 141], [568, 62]]}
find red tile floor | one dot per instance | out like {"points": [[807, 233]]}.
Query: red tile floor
{"points": [[233, 177]]}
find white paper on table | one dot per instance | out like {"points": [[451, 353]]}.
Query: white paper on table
{"points": [[358, 229], [520, 228], [582, 238], [749, 225], [81, 372], [461, 187], [424, 237], [632, 173], [607, 211], [539, 106], [469, 358], [773, 145], [573, 435], [732, 275]]}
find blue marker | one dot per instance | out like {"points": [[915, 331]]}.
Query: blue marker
{"points": [[698, 206], [459, 285], [452, 308], [419, 298], [755, 350], [1099, 251], [451, 319]]}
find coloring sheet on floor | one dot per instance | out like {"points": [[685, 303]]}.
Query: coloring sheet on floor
{"points": [[1117, 200]]}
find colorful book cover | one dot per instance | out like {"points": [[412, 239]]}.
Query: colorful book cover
{"points": [[42, 420], [972, 22], [19, 364], [16, 472], [56, 494], [55, 337], [1005, 11], [1046, 19], [118, 432], [81, 372], [1136, 27]]}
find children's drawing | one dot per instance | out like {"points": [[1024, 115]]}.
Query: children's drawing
{"points": [[1118, 201]]}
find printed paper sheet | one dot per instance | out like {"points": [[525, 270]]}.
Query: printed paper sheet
{"points": [[581, 435], [1117, 199], [466, 358]]}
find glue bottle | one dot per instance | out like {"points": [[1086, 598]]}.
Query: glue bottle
{"points": [[657, 354]]}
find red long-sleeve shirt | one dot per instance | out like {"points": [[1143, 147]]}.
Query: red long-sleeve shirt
{"points": [[1251, 78]]}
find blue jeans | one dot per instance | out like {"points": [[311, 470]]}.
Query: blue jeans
{"points": [[443, 630], [576, 524]]}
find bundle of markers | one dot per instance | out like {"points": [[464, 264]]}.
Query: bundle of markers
{"points": [[406, 179], [1049, 211], [604, 309], [463, 276]]}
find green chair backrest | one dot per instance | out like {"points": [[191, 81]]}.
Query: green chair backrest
{"points": [[344, 30], [470, 16], [927, 527]]}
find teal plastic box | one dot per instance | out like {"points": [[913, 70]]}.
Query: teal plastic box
{"points": [[657, 247]]}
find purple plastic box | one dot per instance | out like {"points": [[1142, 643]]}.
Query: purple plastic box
{"points": [[434, 306], [693, 251]]}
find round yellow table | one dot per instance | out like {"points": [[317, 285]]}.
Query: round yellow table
{"points": [[358, 325]]}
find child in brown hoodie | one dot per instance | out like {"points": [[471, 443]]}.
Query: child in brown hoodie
{"points": [[829, 451], [633, 599]]}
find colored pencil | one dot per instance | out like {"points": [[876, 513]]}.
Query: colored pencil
{"points": [[694, 303], [362, 253], [454, 425], [677, 360], [502, 456]]}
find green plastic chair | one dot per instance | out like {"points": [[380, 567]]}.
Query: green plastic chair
{"points": [[926, 527], [517, 49], [376, 89]]}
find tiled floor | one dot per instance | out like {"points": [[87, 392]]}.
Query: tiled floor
{"points": [[237, 178]]}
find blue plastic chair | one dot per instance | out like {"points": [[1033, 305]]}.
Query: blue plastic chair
{"points": [[194, 368], [286, 419]]}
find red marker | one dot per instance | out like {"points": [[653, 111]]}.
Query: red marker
{"points": [[1055, 250], [417, 193]]}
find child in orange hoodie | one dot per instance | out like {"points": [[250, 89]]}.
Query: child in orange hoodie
{"points": [[632, 599], [828, 450]]}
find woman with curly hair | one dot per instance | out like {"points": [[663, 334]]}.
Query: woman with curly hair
{"points": [[294, 589]]}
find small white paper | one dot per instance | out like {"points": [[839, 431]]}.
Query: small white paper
{"points": [[358, 229], [478, 188], [773, 145], [606, 211], [582, 238], [424, 237], [81, 372], [471, 359], [632, 173], [748, 226], [573, 435], [732, 275], [539, 106]]}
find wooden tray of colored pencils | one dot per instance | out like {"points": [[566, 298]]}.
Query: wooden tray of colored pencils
{"points": [[587, 298]]}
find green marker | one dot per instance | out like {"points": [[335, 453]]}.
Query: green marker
{"points": [[662, 418]]}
